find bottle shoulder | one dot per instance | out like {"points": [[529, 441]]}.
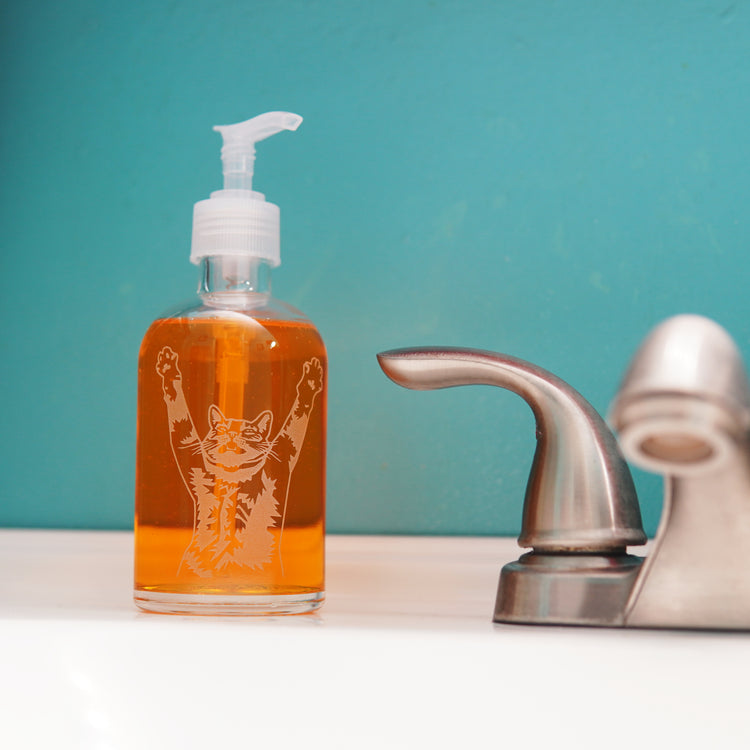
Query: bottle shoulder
{"points": [[268, 322], [258, 306]]}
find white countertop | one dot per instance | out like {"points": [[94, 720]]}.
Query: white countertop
{"points": [[402, 655]]}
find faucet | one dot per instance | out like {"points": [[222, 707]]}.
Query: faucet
{"points": [[683, 410]]}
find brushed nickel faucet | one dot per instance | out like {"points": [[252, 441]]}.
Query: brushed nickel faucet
{"points": [[683, 410]]}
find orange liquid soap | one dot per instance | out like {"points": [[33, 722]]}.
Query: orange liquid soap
{"points": [[237, 514]]}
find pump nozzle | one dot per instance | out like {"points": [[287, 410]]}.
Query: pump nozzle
{"points": [[238, 221], [238, 152]]}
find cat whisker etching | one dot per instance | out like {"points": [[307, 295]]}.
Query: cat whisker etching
{"points": [[237, 475], [196, 449]]}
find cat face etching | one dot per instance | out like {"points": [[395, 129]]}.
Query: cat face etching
{"points": [[237, 444]]}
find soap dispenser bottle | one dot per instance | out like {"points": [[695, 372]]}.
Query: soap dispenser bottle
{"points": [[230, 457]]}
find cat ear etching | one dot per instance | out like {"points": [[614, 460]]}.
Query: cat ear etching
{"points": [[215, 417], [264, 422], [238, 474]]}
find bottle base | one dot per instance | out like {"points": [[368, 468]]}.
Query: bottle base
{"points": [[219, 604]]}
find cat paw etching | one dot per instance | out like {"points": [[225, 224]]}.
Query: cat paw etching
{"points": [[166, 364], [311, 382]]}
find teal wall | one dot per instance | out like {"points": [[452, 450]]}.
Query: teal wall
{"points": [[547, 179]]}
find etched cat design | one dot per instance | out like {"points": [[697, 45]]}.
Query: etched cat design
{"points": [[238, 475]]}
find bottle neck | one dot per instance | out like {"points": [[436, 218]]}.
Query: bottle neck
{"points": [[234, 279]]}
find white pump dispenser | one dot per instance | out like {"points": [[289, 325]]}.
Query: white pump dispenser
{"points": [[238, 221]]}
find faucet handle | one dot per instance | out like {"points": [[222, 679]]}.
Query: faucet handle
{"points": [[580, 495], [580, 510]]}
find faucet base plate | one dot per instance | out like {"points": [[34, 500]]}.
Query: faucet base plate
{"points": [[566, 589]]}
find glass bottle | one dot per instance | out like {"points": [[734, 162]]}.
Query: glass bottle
{"points": [[230, 457]]}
